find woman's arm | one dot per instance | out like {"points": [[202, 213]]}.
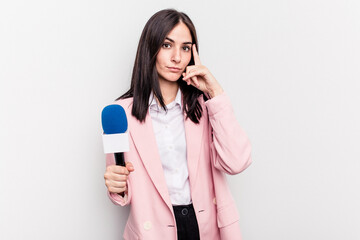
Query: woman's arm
{"points": [[229, 145]]}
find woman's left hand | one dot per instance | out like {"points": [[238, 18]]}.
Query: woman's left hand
{"points": [[200, 77]]}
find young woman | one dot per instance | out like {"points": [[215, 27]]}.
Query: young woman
{"points": [[184, 138]]}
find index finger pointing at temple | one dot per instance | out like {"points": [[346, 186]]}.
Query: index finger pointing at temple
{"points": [[196, 56]]}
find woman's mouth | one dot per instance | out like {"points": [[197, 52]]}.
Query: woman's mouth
{"points": [[174, 69]]}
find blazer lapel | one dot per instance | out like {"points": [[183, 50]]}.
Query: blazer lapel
{"points": [[145, 143]]}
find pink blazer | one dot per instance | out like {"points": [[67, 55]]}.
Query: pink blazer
{"points": [[215, 147]]}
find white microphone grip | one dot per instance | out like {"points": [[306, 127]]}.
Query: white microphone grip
{"points": [[114, 143]]}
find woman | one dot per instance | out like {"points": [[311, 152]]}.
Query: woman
{"points": [[183, 138]]}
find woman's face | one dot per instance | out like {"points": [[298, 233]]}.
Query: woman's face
{"points": [[174, 54]]}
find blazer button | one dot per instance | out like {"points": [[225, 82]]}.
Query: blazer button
{"points": [[147, 225], [214, 201], [184, 211]]}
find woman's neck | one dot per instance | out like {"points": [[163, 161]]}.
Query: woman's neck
{"points": [[168, 91]]}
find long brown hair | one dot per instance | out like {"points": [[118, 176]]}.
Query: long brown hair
{"points": [[145, 77]]}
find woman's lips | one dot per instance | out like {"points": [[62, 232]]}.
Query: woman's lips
{"points": [[173, 69]]}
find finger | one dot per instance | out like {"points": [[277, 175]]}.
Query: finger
{"points": [[117, 190], [110, 176], [196, 56], [192, 74], [195, 81], [116, 184], [118, 177], [118, 169], [195, 70], [129, 166], [187, 81], [189, 68]]}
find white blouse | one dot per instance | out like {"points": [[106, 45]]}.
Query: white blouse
{"points": [[170, 137]]}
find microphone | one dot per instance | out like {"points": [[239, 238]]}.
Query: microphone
{"points": [[115, 137]]}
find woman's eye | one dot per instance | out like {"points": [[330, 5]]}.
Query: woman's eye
{"points": [[166, 45], [186, 48]]}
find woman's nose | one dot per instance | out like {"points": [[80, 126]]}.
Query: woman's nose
{"points": [[176, 56]]}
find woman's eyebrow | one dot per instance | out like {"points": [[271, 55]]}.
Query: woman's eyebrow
{"points": [[174, 41]]}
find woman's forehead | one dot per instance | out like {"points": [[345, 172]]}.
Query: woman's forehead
{"points": [[180, 34]]}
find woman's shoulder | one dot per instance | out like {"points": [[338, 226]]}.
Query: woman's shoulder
{"points": [[126, 103]]}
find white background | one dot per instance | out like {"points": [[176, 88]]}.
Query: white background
{"points": [[291, 68]]}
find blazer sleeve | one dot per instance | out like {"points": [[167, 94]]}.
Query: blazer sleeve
{"points": [[229, 145], [114, 197]]}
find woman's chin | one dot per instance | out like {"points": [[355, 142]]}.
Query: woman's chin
{"points": [[173, 78]]}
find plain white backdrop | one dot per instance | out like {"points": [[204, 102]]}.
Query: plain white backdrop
{"points": [[291, 68]]}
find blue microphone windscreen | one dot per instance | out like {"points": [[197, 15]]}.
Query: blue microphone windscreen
{"points": [[113, 119]]}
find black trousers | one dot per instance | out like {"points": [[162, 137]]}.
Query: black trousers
{"points": [[186, 223]]}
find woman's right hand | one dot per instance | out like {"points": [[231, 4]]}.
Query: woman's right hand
{"points": [[116, 176]]}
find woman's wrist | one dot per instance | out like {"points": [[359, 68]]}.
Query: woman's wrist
{"points": [[215, 92]]}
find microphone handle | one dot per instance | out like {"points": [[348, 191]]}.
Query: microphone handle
{"points": [[119, 159]]}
